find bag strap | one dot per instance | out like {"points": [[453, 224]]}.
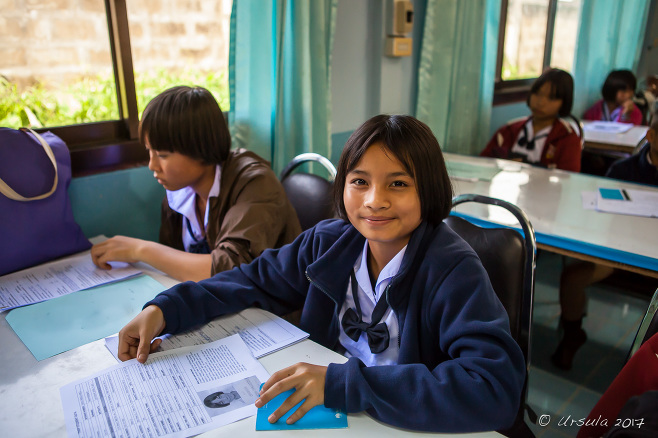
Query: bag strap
{"points": [[11, 194]]}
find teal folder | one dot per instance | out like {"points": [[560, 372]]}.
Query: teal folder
{"points": [[319, 417], [54, 326]]}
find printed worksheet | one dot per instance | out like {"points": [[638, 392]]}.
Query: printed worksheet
{"points": [[57, 278], [178, 393], [262, 331]]}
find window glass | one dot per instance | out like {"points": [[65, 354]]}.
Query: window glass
{"points": [[525, 35], [179, 42], [567, 17], [55, 64]]}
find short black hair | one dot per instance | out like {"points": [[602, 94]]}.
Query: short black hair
{"points": [[415, 146], [618, 80], [186, 120], [561, 88], [211, 403]]}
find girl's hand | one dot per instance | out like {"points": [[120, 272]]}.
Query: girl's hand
{"points": [[135, 338], [308, 381], [628, 106], [116, 249]]}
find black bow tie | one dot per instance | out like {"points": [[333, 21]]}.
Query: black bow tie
{"points": [[353, 325]]}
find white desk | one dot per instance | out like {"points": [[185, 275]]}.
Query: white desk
{"points": [[552, 201], [30, 404], [623, 142]]}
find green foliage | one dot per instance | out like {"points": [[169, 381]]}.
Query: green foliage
{"points": [[93, 98]]}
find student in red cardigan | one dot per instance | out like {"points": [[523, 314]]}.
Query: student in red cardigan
{"points": [[543, 139]]}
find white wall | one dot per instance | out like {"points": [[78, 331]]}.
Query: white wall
{"points": [[365, 82]]}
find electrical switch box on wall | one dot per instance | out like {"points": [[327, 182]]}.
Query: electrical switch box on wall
{"points": [[403, 17], [402, 22]]}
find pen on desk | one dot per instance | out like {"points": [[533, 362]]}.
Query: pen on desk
{"points": [[625, 194]]}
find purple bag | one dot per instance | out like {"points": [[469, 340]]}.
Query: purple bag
{"points": [[36, 220]]}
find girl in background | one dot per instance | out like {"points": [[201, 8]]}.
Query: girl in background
{"points": [[222, 207], [543, 139], [617, 103], [389, 285]]}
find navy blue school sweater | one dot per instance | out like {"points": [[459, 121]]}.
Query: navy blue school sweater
{"points": [[459, 369]]}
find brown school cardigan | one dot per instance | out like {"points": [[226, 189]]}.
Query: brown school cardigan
{"points": [[251, 214]]}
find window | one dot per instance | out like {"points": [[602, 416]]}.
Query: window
{"points": [[68, 67], [534, 34]]}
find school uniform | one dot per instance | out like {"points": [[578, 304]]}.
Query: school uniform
{"points": [[556, 148], [247, 212], [599, 111], [457, 369], [636, 168]]}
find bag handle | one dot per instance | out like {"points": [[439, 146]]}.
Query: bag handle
{"points": [[11, 194]]}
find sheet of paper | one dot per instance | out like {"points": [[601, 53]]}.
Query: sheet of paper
{"points": [[628, 201], [54, 326], [57, 278], [178, 393], [608, 127], [471, 172], [589, 200], [318, 417], [262, 331]]}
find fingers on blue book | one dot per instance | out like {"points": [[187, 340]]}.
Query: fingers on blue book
{"points": [[318, 417]]}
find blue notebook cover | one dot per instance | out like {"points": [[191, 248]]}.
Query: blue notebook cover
{"points": [[614, 194], [319, 417]]}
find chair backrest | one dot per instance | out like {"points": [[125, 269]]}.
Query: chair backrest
{"points": [[640, 145], [509, 258], [648, 326], [309, 194]]}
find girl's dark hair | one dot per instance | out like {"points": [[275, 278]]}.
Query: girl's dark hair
{"points": [[561, 88], [186, 120], [618, 80], [415, 146]]}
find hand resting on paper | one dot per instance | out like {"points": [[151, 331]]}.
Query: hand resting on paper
{"points": [[135, 338], [180, 265], [115, 249], [308, 381]]}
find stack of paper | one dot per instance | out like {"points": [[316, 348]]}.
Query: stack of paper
{"points": [[175, 394], [263, 332], [623, 201]]}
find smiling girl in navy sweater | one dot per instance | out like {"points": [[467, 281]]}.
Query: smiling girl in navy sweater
{"points": [[389, 285]]}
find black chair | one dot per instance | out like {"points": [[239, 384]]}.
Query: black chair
{"points": [[509, 258], [309, 194], [644, 143], [648, 326]]}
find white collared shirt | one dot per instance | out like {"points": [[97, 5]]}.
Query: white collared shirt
{"points": [[368, 299], [534, 155], [182, 201]]}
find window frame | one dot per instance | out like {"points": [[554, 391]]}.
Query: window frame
{"points": [[516, 90], [109, 145]]}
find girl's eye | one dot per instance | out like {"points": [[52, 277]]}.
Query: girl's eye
{"points": [[358, 182], [399, 184], [161, 155]]}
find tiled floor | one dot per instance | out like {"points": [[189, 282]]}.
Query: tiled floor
{"points": [[613, 317]]}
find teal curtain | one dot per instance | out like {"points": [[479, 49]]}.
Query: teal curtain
{"points": [[279, 77], [610, 37], [457, 70]]}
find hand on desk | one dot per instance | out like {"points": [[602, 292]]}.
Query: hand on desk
{"points": [[308, 381], [116, 249], [135, 338]]}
